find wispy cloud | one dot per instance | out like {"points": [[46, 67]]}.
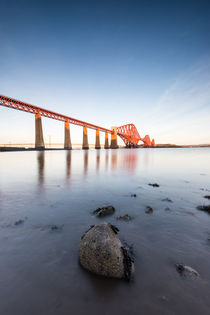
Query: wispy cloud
{"points": [[185, 104], [189, 92]]}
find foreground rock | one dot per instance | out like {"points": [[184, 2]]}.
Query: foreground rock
{"points": [[101, 252], [102, 212], [187, 271], [204, 208]]}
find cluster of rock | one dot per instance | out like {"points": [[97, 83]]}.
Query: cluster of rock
{"points": [[101, 251]]}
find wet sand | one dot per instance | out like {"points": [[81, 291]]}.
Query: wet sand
{"points": [[39, 270]]}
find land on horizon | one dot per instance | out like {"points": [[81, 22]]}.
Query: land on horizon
{"points": [[26, 147]]}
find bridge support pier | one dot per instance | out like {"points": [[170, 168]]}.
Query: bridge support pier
{"points": [[97, 145], [39, 139], [114, 138], [106, 145], [85, 144], [67, 137]]}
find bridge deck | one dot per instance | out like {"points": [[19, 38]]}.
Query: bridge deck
{"points": [[29, 108]]}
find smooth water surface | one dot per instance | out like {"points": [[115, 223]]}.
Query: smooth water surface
{"points": [[39, 269]]}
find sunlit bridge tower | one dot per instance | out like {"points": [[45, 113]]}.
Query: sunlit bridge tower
{"points": [[114, 138]]}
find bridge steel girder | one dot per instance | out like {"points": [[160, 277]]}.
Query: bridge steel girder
{"points": [[129, 134], [19, 105]]}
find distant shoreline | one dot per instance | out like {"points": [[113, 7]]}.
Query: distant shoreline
{"points": [[158, 146], [182, 146]]}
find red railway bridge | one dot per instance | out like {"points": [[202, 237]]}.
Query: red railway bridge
{"points": [[128, 133]]}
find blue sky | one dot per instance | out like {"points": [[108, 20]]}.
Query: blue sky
{"points": [[109, 63]]}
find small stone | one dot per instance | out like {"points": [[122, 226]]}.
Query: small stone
{"points": [[102, 212], [19, 222], [190, 213], [125, 217], [164, 298], [187, 271], [101, 252], [133, 195], [56, 227], [207, 197], [148, 209], [167, 199], [154, 185], [204, 208]]}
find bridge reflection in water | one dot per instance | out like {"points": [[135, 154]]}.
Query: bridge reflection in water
{"points": [[40, 160], [75, 163], [68, 165]]}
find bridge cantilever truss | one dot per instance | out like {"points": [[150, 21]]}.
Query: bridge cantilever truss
{"points": [[128, 133]]}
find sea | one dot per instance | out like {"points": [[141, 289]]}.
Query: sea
{"points": [[47, 199]]}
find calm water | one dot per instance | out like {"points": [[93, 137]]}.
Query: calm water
{"points": [[39, 270]]}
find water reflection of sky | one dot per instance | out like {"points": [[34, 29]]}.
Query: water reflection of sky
{"points": [[20, 168], [99, 159], [111, 171]]}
